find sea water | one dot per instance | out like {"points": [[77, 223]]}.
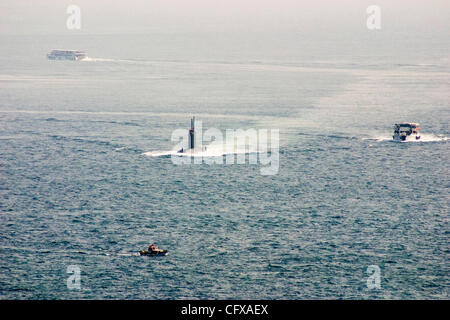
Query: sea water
{"points": [[80, 184]]}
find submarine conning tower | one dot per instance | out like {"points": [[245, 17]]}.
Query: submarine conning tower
{"points": [[191, 134]]}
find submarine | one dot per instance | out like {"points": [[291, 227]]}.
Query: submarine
{"points": [[191, 142]]}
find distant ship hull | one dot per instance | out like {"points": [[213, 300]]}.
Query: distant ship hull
{"points": [[73, 55]]}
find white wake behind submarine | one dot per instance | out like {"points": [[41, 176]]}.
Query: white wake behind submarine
{"points": [[193, 147]]}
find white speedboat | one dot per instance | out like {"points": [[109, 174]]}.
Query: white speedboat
{"points": [[406, 131], [66, 55]]}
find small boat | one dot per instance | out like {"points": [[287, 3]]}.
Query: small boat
{"points": [[406, 131], [153, 253]]}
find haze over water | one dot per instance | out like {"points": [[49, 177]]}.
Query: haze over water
{"points": [[77, 188]]}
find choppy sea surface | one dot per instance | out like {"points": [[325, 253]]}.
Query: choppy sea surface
{"points": [[77, 187]]}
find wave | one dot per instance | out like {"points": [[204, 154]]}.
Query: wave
{"points": [[71, 251], [211, 150], [89, 59], [200, 153], [423, 138], [239, 116]]}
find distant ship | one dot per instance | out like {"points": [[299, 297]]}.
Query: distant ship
{"points": [[66, 55], [406, 131]]}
